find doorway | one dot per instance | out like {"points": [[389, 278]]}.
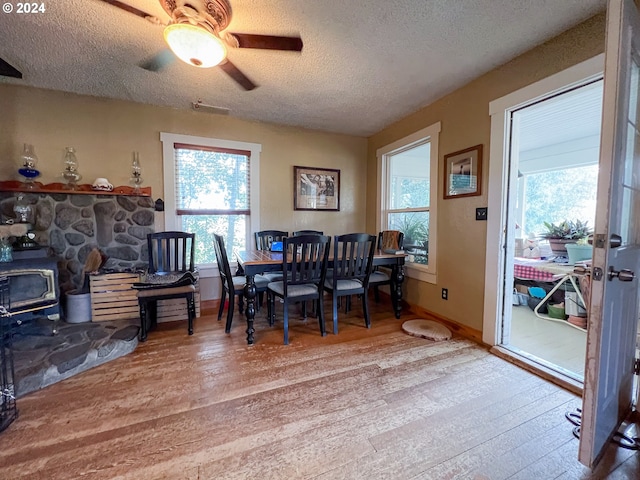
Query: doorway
{"points": [[544, 135], [555, 144]]}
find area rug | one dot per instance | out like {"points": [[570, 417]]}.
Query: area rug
{"points": [[42, 358]]}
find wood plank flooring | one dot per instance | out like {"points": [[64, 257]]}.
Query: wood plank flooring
{"points": [[374, 404]]}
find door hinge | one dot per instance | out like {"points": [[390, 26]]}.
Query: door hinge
{"points": [[636, 367]]}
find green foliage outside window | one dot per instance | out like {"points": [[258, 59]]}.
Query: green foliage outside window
{"points": [[211, 180]]}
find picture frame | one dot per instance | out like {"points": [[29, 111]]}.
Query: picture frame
{"points": [[463, 173], [316, 189]]}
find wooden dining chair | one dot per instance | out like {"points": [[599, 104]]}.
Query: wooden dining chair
{"points": [[306, 274], [307, 232], [387, 240], [231, 285], [352, 261], [265, 238], [170, 275]]}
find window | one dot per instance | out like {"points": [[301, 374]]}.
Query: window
{"points": [[407, 177], [211, 186]]}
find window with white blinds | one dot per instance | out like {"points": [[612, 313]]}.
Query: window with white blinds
{"points": [[209, 189], [211, 181]]}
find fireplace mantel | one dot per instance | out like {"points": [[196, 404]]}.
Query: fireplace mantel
{"points": [[83, 189]]}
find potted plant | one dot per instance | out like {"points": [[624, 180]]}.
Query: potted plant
{"points": [[415, 229], [568, 231]]}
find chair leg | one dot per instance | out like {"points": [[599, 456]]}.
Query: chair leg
{"points": [[376, 293], [227, 328], [223, 298], [241, 303], [191, 312], [271, 299], [143, 321], [152, 313], [365, 309], [285, 321], [320, 310], [335, 312], [304, 310]]}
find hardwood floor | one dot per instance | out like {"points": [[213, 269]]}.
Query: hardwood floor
{"points": [[363, 404]]}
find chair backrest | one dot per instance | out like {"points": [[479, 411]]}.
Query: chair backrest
{"points": [[308, 232], [353, 257], [171, 252], [223, 262], [309, 256], [265, 238], [390, 239]]}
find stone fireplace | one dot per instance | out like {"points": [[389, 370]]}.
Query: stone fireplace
{"points": [[72, 224]]}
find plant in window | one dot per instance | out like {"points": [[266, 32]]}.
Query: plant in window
{"points": [[567, 230], [415, 229]]}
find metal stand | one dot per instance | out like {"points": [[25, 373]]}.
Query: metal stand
{"points": [[8, 408], [571, 277]]}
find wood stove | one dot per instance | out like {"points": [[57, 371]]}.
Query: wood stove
{"points": [[33, 285]]}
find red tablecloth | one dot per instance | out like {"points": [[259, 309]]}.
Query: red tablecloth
{"points": [[540, 270]]}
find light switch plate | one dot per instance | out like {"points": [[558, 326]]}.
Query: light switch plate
{"points": [[481, 213]]}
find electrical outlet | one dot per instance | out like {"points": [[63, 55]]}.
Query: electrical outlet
{"points": [[445, 294], [481, 213]]}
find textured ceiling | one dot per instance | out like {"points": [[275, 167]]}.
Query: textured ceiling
{"points": [[365, 64]]}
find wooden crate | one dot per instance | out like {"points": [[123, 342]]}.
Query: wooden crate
{"points": [[176, 308], [112, 297]]}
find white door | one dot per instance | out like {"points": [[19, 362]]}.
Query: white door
{"points": [[613, 314]]}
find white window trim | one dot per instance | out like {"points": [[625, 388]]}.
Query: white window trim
{"points": [[171, 220], [425, 273]]}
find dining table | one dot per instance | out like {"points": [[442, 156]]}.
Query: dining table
{"points": [[254, 262]]}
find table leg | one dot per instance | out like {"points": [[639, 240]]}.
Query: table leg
{"points": [[396, 290], [250, 311]]}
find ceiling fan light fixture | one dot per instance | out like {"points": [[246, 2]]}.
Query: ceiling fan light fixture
{"points": [[195, 45]]}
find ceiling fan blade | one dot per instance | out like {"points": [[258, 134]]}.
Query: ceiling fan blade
{"points": [[233, 71], [268, 42], [134, 10], [159, 61], [7, 70]]}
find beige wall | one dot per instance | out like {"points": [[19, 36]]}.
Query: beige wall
{"points": [[106, 132], [465, 122]]}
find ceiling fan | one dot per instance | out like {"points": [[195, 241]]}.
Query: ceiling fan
{"points": [[195, 34]]}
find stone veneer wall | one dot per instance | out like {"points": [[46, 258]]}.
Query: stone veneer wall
{"points": [[73, 224]]}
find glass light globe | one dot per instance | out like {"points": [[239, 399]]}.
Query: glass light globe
{"points": [[195, 45]]}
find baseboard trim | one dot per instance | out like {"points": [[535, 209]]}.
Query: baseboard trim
{"points": [[462, 330]]}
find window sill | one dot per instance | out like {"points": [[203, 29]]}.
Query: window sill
{"points": [[420, 274]]}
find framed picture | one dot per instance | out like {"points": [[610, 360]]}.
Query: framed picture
{"points": [[463, 173], [316, 189]]}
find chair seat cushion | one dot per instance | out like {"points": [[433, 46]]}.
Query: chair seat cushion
{"points": [[344, 284], [174, 279], [293, 290], [260, 281], [272, 276], [156, 292], [378, 277]]}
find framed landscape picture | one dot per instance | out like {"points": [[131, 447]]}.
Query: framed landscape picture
{"points": [[316, 188], [462, 173]]}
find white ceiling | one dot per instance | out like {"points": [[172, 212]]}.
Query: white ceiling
{"points": [[560, 132], [365, 64]]}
